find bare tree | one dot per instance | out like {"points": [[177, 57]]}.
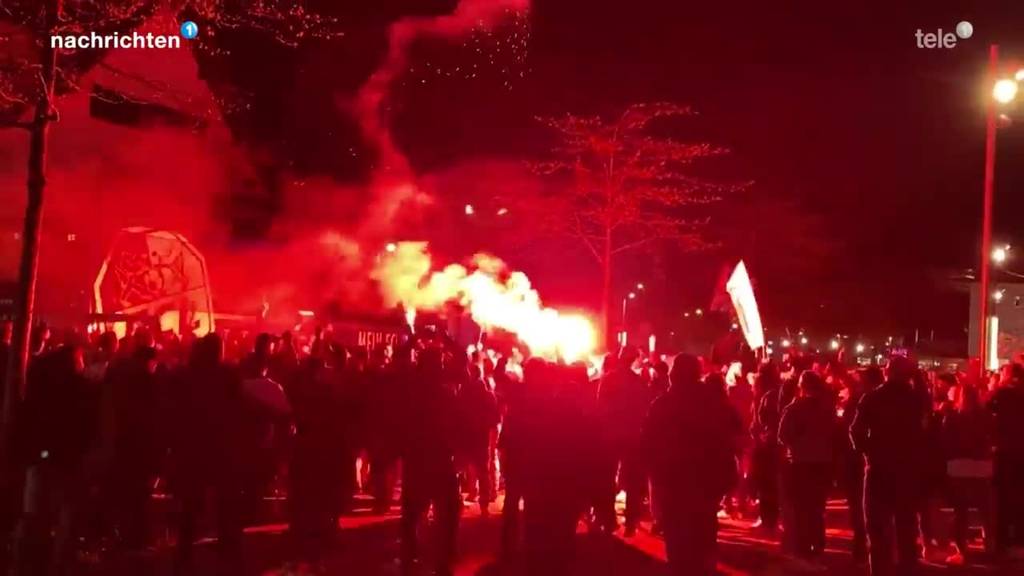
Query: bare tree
{"points": [[47, 21], [33, 75], [630, 186]]}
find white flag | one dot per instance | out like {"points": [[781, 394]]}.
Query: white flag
{"points": [[742, 294]]}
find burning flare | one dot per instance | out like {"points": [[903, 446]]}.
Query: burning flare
{"points": [[493, 296]]}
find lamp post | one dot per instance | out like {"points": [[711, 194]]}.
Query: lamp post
{"points": [[628, 297], [1004, 91], [986, 218], [625, 301]]}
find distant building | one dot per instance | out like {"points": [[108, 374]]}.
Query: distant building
{"points": [[1006, 311]]}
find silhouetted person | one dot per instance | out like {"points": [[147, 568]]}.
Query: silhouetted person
{"points": [[554, 470], [765, 458], [660, 382], [806, 432], [257, 363], [1007, 404], [262, 432], [659, 386], [933, 472], [429, 476], [691, 432], [56, 429], [741, 396], [623, 401], [285, 362], [349, 393], [106, 351], [479, 416], [383, 441], [135, 442], [318, 477], [512, 447], [889, 429], [205, 446], [852, 462], [967, 444]]}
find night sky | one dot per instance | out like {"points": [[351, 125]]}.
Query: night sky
{"points": [[875, 145], [837, 109], [832, 107]]}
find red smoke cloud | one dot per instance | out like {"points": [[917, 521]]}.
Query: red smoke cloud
{"points": [[103, 177]]}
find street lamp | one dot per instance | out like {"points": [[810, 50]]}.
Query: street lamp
{"points": [[625, 301], [1000, 254], [1004, 91], [834, 344]]}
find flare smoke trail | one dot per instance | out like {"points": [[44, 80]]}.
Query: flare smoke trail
{"points": [[395, 184]]}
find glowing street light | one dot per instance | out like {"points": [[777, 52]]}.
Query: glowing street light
{"points": [[625, 302], [1005, 90], [803, 340], [834, 344], [391, 247], [699, 312], [997, 296], [639, 285], [859, 348], [1000, 254], [470, 210], [786, 343]]}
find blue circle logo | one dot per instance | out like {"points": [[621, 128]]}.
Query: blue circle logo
{"points": [[189, 30]]}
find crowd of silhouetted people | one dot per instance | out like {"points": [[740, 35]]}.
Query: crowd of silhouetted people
{"points": [[221, 422]]}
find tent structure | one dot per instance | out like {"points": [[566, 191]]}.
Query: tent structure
{"points": [[154, 274]]}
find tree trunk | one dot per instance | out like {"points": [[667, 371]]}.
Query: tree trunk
{"points": [[606, 291], [25, 301]]}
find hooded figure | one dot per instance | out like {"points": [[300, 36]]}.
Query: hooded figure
{"points": [[889, 429], [806, 431], [692, 428]]}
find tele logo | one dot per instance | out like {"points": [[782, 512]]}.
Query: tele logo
{"points": [[940, 39]]}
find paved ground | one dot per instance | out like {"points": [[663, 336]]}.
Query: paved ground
{"points": [[367, 545]]}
